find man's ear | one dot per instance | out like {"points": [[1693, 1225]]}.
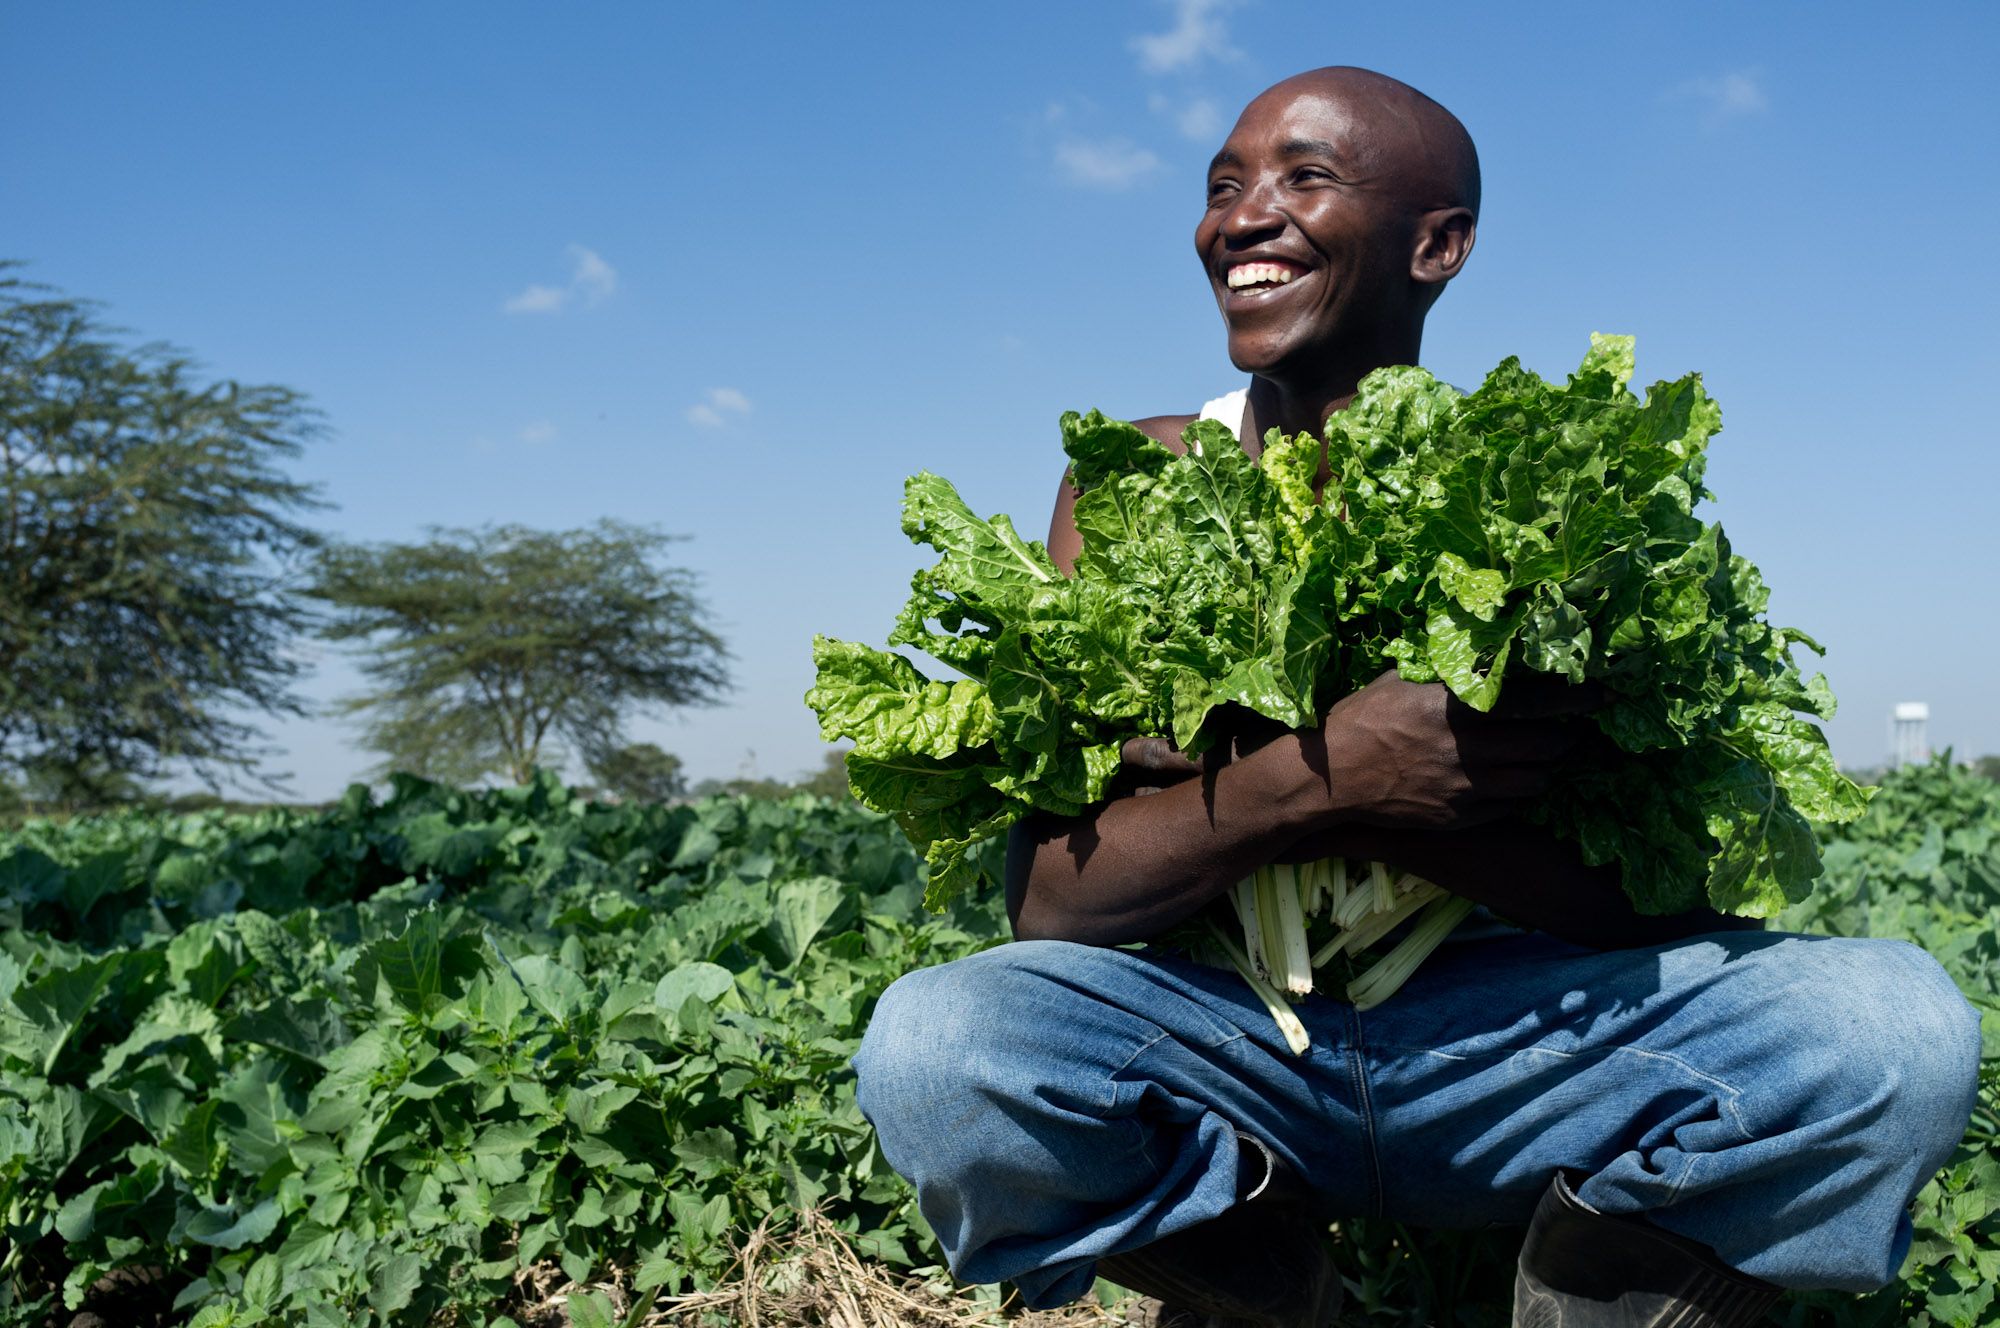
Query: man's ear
{"points": [[1444, 242]]}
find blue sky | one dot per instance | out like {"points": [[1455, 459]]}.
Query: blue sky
{"points": [[737, 270]]}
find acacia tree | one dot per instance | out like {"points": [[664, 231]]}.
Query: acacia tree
{"points": [[149, 545], [488, 648], [640, 772]]}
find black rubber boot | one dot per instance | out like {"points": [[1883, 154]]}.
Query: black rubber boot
{"points": [[1262, 1264], [1584, 1269]]}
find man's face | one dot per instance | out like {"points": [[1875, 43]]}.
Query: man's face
{"points": [[1302, 239]]}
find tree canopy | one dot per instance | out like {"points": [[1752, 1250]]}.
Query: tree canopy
{"points": [[639, 772], [490, 649], [149, 541]]}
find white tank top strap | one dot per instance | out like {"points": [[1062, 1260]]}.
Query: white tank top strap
{"points": [[1231, 409]]}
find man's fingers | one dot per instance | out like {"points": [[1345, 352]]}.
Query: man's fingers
{"points": [[1157, 756]]}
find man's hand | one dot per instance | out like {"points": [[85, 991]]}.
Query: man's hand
{"points": [[1413, 756], [1155, 763], [1404, 754]]}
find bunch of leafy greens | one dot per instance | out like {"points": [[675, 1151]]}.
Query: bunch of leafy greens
{"points": [[1465, 538]]}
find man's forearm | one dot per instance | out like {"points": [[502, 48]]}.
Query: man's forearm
{"points": [[1132, 868]]}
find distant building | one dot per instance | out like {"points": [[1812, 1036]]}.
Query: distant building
{"points": [[1909, 741]]}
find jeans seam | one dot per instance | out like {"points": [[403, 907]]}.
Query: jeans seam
{"points": [[1674, 1193], [1728, 1099], [1150, 1043], [1365, 1109], [1144, 1047]]}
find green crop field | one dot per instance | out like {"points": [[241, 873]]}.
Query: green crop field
{"points": [[367, 1064]]}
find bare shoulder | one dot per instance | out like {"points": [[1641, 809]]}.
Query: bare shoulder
{"points": [[1166, 429]]}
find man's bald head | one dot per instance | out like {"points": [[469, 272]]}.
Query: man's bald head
{"points": [[1401, 139], [1341, 204]]}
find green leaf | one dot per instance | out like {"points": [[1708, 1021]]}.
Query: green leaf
{"points": [[552, 988], [987, 553], [707, 1153], [394, 1283], [223, 1228], [98, 877], [1480, 591], [257, 1133], [1100, 448], [308, 1029], [29, 876], [592, 1309], [56, 1005], [196, 1144], [885, 707], [802, 910], [700, 981], [421, 965], [1469, 654]]}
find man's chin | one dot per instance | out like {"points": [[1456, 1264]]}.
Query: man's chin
{"points": [[1254, 354]]}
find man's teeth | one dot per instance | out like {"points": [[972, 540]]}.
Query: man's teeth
{"points": [[1259, 274]]}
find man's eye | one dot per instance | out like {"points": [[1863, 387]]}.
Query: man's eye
{"points": [[1217, 188]]}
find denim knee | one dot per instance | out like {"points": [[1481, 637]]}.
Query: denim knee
{"points": [[965, 1033], [908, 1042], [1890, 1039]]}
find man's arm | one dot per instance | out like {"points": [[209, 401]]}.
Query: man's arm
{"points": [[1131, 868], [1395, 755], [1398, 772]]}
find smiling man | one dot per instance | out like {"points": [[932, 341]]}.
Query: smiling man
{"points": [[1688, 1113]]}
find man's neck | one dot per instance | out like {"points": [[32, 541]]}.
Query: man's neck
{"points": [[1274, 406], [1301, 403]]}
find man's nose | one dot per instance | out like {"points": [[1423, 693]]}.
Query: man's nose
{"points": [[1252, 215]]}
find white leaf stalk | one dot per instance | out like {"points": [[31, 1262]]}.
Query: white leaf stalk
{"points": [[1288, 1023], [1276, 959], [1286, 949], [1388, 974]]}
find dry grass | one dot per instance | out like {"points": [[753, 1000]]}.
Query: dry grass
{"points": [[808, 1278]]}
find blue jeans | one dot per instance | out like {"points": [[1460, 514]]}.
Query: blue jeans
{"points": [[1779, 1098]]}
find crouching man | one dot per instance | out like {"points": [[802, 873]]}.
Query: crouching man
{"points": [[1689, 1113]]}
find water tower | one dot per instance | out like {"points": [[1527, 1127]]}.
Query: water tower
{"points": [[1908, 743]]}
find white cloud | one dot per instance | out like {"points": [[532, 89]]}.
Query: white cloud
{"points": [[714, 410], [591, 277], [1197, 35], [1198, 118], [591, 280], [537, 300], [1727, 96], [538, 431], [1110, 163]]}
